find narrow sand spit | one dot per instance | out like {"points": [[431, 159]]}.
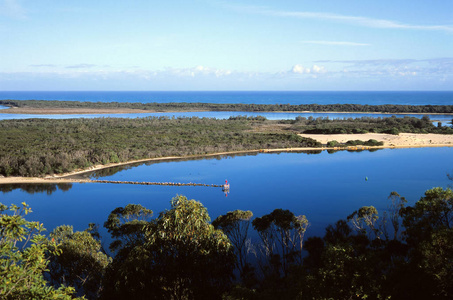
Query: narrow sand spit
{"points": [[403, 140]]}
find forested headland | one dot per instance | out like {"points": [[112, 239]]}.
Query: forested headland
{"points": [[181, 106], [404, 252], [36, 147]]}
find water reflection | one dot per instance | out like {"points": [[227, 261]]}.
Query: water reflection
{"points": [[33, 188], [114, 170], [48, 188]]}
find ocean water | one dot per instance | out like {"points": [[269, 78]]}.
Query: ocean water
{"points": [[258, 97]]}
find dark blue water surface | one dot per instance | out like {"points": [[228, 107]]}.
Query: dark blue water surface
{"points": [[261, 97], [324, 187]]}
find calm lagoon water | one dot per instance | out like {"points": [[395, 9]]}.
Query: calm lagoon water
{"points": [[324, 187], [445, 119]]}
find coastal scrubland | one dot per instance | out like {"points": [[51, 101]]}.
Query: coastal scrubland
{"points": [[37, 147]]}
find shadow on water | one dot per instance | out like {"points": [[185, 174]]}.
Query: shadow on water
{"points": [[33, 188], [113, 170]]}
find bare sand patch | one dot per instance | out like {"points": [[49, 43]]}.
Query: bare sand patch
{"points": [[390, 140]]}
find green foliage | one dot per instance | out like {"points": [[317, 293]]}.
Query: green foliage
{"points": [[370, 142], [235, 224], [183, 257], [333, 143], [390, 125], [81, 263], [395, 209], [343, 265], [35, 147], [364, 220], [126, 225], [22, 265], [282, 234], [433, 212]]}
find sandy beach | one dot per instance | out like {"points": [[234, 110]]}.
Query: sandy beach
{"points": [[390, 140], [403, 140]]}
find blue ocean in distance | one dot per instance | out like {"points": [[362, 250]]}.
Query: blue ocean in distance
{"points": [[249, 97]]}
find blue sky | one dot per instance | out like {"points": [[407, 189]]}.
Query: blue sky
{"points": [[226, 45]]}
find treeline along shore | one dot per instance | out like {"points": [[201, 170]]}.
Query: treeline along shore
{"points": [[181, 106], [39, 147]]}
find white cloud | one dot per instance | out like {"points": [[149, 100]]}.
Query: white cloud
{"points": [[194, 72], [430, 72], [355, 20], [315, 69], [299, 69]]}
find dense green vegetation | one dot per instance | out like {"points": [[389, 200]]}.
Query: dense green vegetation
{"points": [[370, 142], [391, 125], [180, 106], [405, 252], [23, 258], [35, 147]]}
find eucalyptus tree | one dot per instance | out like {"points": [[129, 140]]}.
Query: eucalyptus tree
{"points": [[429, 235], [282, 235], [235, 224], [364, 220], [81, 263], [191, 258], [125, 224], [178, 255], [396, 207], [23, 257], [129, 270]]}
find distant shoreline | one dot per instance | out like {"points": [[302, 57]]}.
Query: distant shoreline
{"points": [[404, 140], [95, 111], [74, 107]]}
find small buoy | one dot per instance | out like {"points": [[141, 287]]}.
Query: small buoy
{"points": [[366, 178]]}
